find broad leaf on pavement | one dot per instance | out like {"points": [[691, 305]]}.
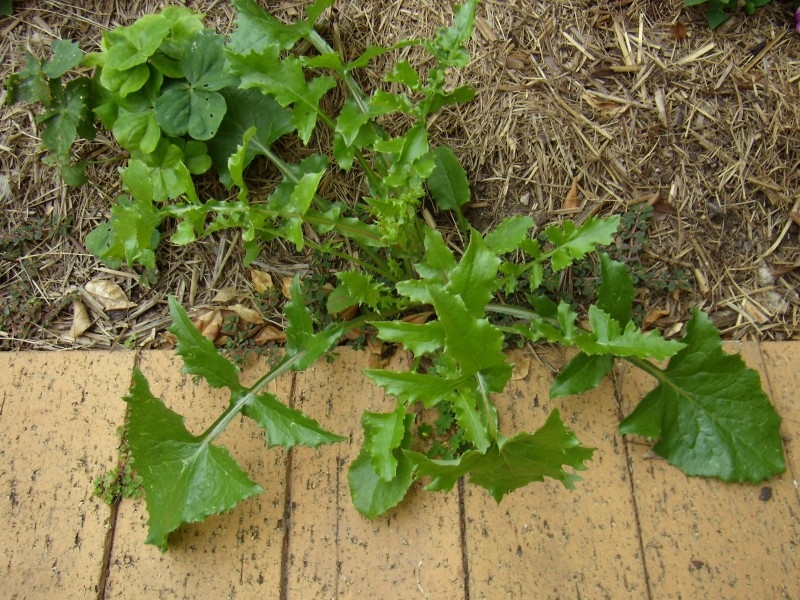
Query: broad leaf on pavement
{"points": [[185, 477], [511, 463], [709, 412]]}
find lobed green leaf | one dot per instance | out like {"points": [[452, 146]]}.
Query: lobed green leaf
{"points": [[511, 463], [710, 412], [185, 477]]}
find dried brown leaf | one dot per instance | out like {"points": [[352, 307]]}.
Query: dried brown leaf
{"points": [[286, 287], [209, 323], [262, 281], [678, 31], [248, 315], [653, 315], [80, 320], [269, 334], [108, 294], [225, 295], [417, 318], [521, 362], [573, 199]]}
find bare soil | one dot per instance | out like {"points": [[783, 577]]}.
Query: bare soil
{"points": [[583, 108]]}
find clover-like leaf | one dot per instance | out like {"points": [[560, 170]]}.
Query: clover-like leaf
{"points": [[195, 106], [128, 47]]}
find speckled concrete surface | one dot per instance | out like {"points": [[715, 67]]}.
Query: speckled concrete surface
{"points": [[634, 528]]}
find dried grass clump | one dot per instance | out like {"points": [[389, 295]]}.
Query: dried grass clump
{"points": [[582, 108]]}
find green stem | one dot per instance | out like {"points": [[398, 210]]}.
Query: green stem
{"points": [[242, 397], [358, 95], [377, 269]]}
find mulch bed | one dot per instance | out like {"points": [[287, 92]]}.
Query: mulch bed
{"points": [[583, 108]]}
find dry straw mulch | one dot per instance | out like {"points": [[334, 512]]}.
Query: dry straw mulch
{"points": [[583, 108]]}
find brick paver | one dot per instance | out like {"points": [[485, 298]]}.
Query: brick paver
{"points": [[635, 527]]}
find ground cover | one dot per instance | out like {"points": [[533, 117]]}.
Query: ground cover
{"points": [[636, 109]]}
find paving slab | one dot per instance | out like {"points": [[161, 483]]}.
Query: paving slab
{"points": [[412, 552], [57, 433], [703, 538], [781, 362], [545, 541], [231, 555]]}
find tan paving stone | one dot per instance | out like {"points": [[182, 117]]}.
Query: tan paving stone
{"points": [[707, 539], [57, 433], [782, 363], [334, 552], [545, 541], [231, 555]]}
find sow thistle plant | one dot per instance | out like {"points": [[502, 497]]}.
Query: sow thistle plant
{"points": [[183, 100]]}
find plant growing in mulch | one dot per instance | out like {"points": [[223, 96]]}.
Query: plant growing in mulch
{"points": [[182, 99]]}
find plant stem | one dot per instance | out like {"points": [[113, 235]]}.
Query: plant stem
{"points": [[241, 398]]}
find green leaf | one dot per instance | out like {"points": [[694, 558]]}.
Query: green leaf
{"points": [[66, 55], [128, 47], [286, 81], [710, 413], [448, 183], [373, 51], [582, 373], [373, 496], [383, 433], [169, 175], [439, 259], [475, 344], [195, 106], [448, 45], [404, 73], [350, 121], [6, 8], [132, 232], [616, 292], [124, 83], [257, 30], [413, 387], [300, 337], [357, 289], [185, 478], [200, 357], [286, 426], [29, 84], [246, 109], [511, 463], [67, 116], [573, 243], [420, 339], [474, 279], [509, 234], [74, 175], [607, 337], [472, 420]]}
